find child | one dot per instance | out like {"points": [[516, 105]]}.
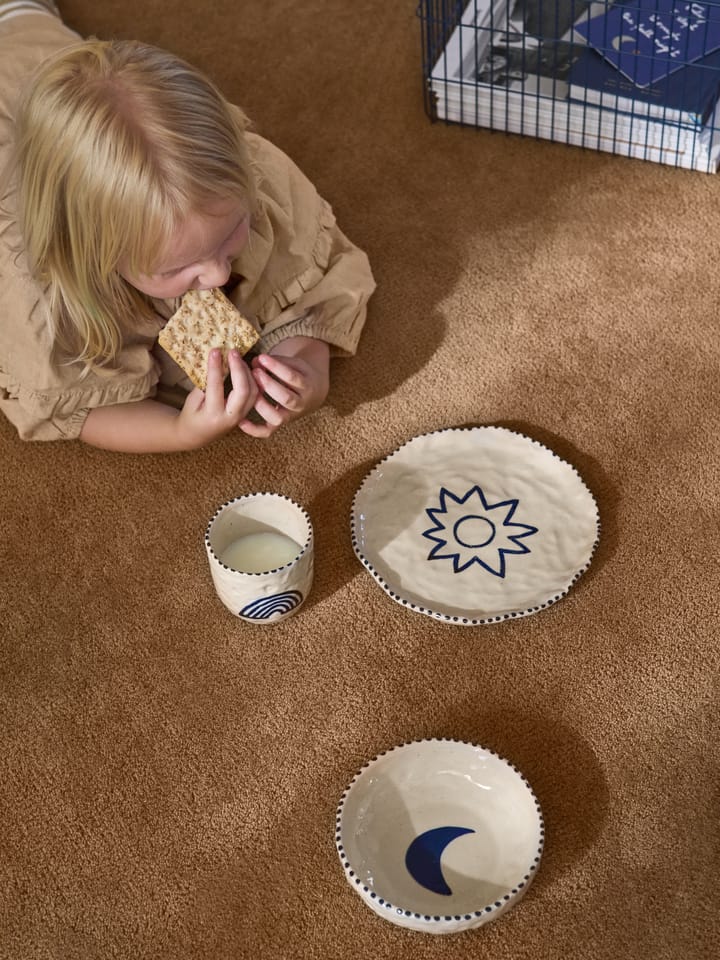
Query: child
{"points": [[126, 181]]}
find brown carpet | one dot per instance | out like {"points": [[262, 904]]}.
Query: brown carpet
{"points": [[169, 775]]}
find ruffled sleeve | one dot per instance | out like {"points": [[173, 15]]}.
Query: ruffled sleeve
{"points": [[45, 413], [49, 400], [301, 274]]}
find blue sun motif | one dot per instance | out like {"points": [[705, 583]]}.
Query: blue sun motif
{"points": [[470, 530]]}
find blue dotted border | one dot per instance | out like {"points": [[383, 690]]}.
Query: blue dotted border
{"points": [[445, 617]]}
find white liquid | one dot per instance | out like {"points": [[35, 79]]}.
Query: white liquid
{"points": [[260, 552]]}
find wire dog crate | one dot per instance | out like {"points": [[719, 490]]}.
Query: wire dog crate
{"points": [[638, 78]]}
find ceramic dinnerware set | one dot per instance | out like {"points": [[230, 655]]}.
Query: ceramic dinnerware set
{"points": [[469, 526]]}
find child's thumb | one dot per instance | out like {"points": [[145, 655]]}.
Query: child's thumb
{"points": [[195, 400]]}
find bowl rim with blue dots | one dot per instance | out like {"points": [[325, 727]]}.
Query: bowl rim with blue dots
{"points": [[411, 807]]}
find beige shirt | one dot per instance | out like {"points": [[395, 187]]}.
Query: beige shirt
{"points": [[299, 275]]}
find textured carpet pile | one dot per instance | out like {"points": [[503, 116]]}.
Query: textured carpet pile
{"points": [[168, 774]]}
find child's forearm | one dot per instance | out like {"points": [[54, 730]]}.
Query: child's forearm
{"points": [[143, 427], [315, 351], [147, 426], [151, 427]]}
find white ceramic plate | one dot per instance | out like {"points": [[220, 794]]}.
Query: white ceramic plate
{"points": [[439, 835], [474, 525]]}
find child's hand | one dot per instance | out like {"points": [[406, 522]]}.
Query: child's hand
{"points": [[292, 379], [209, 414]]}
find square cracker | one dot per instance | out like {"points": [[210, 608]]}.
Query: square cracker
{"points": [[204, 320]]}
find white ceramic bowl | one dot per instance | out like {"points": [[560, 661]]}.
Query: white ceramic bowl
{"points": [[439, 835]]}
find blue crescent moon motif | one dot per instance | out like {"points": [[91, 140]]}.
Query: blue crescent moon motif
{"points": [[423, 857], [266, 607]]}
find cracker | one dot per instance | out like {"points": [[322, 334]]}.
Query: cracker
{"points": [[204, 320]]}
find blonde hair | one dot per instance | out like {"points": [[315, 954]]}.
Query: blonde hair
{"points": [[117, 143]]}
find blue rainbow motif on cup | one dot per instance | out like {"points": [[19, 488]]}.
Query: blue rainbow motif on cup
{"points": [[277, 605]]}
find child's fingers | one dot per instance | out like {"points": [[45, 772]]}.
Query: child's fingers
{"points": [[194, 400], [279, 369], [244, 391], [260, 430], [278, 391], [270, 411], [214, 389]]}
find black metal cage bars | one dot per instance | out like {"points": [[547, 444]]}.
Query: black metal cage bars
{"points": [[638, 78]]}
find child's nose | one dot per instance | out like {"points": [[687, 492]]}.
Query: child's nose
{"points": [[214, 273]]}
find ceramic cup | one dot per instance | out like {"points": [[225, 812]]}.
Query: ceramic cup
{"points": [[266, 596]]}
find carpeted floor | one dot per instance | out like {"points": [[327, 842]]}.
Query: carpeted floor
{"points": [[168, 775]]}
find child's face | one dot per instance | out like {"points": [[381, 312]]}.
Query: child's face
{"points": [[200, 254]]}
